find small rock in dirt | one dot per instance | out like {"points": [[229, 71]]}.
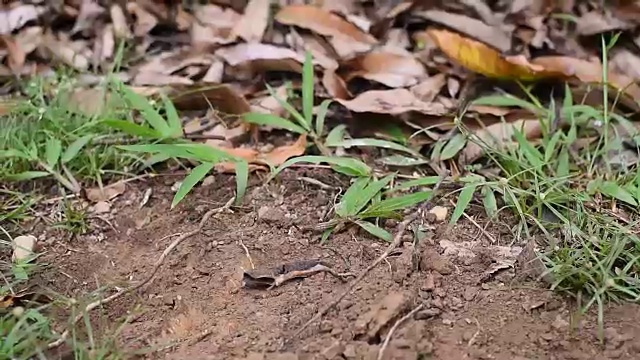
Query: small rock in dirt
{"points": [[613, 338], [326, 326], [254, 356], [334, 350], [547, 336], [428, 313], [432, 260], [101, 207], [429, 283], [468, 334], [208, 181], [381, 313], [559, 323], [271, 215], [470, 293], [440, 213], [23, 247], [349, 351]]}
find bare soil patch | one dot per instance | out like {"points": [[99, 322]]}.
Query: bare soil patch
{"points": [[197, 303]]}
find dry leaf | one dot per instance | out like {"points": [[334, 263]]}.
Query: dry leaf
{"points": [[335, 85], [322, 22], [598, 22], [259, 57], [473, 28], [145, 21], [496, 136], [428, 89], [23, 247], [15, 18], [390, 69], [221, 97], [393, 102], [119, 20], [253, 23], [64, 52], [588, 72], [106, 193], [274, 157], [482, 59]]}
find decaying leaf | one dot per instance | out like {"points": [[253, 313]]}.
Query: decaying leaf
{"points": [[253, 23], [106, 193], [393, 102], [258, 160], [390, 69], [16, 17], [482, 59], [262, 57], [428, 89], [322, 22]]}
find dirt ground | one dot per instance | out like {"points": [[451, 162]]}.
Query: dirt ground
{"points": [[475, 307]]}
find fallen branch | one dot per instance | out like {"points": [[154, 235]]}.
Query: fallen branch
{"points": [[394, 327], [394, 244], [156, 267]]}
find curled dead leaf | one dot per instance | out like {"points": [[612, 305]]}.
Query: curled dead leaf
{"points": [[322, 22], [392, 102], [106, 193], [254, 21], [257, 160], [391, 69], [260, 57]]}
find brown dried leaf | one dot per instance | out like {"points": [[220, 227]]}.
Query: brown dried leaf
{"points": [[256, 159], [64, 51], [393, 102], [222, 97], [322, 22], [473, 28], [428, 89], [390, 69], [119, 21], [145, 21], [254, 21], [588, 72], [597, 22], [15, 17], [335, 85], [257, 57], [106, 193]]}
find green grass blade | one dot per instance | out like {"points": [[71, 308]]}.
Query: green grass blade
{"points": [[396, 203], [27, 175], [242, 180], [274, 121], [322, 114], [354, 165], [375, 230], [614, 190], [373, 143], [453, 146], [173, 119], [74, 148], [336, 134], [401, 160], [290, 109], [132, 128], [506, 100], [198, 173], [149, 114], [53, 150], [425, 181], [466, 195], [307, 89], [360, 194], [489, 201]]}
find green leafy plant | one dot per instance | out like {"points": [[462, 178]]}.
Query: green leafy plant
{"points": [[365, 200]]}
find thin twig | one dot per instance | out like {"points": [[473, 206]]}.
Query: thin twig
{"points": [[246, 251], [156, 267], [395, 327], [394, 244], [482, 230]]}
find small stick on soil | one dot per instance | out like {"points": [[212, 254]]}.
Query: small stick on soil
{"points": [[394, 244], [395, 327], [156, 267], [246, 251]]}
